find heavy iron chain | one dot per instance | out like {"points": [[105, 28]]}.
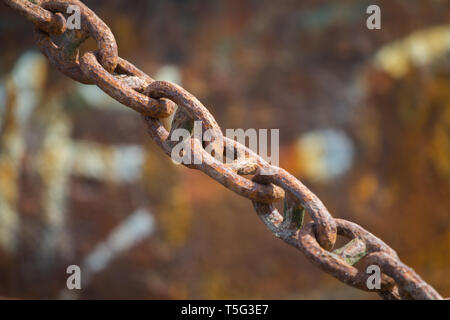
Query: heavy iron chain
{"points": [[155, 100]]}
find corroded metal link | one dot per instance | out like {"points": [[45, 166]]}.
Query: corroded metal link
{"points": [[65, 56], [246, 161], [93, 26], [125, 67], [326, 226], [244, 166], [274, 222], [245, 187], [379, 254], [331, 263], [155, 99], [117, 89], [215, 169], [212, 167], [41, 18], [67, 64], [404, 276], [192, 106], [352, 230]]}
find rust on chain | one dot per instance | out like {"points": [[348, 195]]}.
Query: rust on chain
{"points": [[246, 161], [194, 110], [41, 18], [117, 89], [67, 64], [326, 227], [216, 169], [156, 99], [66, 56], [380, 254], [406, 278], [337, 267], [245, 187], [93, 26], [192, 107]]}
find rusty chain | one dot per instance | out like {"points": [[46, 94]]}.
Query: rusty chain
{"points": [[156, 100]]}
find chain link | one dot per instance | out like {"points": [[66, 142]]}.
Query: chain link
{"points": [[156, 100]]}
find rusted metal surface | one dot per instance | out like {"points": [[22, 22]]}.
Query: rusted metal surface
{"points": [[337, 266], [156, 100], [326, 227], [123, 93], [408, 281], [94, 27], [41, 18], [65, 56]]}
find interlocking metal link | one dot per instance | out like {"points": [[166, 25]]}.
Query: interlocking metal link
{"points": [[41, 18], [93, 26], [156, 100], [65, 56], [215, 169], [324, 222], [339, 268], [409, 282], [115, 87]]}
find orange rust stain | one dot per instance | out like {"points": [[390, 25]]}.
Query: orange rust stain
{"points": [[201, 187]]}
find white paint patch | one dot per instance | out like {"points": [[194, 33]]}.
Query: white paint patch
{"points": [[28, 75], [128, 162], [138, 226], [119, 163], [95, 97], [418, 49], [325, 154], [25, 81], [131, 231], [169, 73]]}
